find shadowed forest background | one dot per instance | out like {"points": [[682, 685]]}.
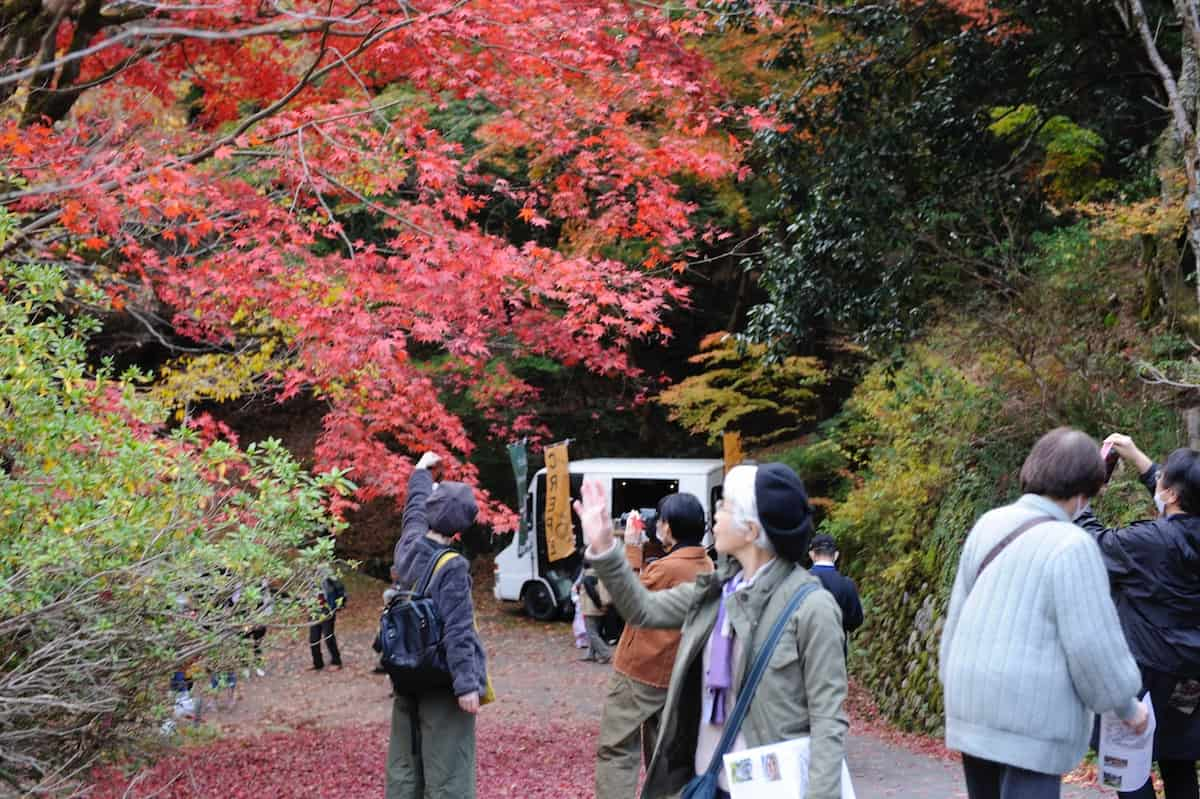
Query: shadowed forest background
{"points": [[258, 257]]}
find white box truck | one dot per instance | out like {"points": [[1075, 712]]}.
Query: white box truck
{"points": [[522, 573]]}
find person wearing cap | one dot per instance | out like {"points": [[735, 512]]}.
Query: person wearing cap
{"points": [[763, 525], [431, 751], [1032, 647], [823, 553]]}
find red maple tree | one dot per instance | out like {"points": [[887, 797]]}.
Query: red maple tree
{"points": [[201, 162]]}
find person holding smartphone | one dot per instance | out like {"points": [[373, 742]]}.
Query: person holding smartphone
{"points": [[1154, 569], [645, 657]]}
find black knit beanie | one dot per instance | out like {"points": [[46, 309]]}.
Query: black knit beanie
{"points": [[783, 509]]}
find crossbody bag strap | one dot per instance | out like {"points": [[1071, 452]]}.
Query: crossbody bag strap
{"points": [[1008, 539], [746, 693]]}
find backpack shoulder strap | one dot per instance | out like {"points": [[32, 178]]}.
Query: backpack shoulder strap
{"points": [[439, 559]]}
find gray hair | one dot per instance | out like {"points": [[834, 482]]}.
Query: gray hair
{"points": [[738, 495]]}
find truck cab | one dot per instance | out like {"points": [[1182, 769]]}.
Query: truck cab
{"points": [[522, 572]]}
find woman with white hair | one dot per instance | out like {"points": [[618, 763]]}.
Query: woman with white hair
{"points": [[763, 525]]}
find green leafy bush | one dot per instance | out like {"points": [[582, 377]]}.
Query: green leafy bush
{"points": [[127, 551]]}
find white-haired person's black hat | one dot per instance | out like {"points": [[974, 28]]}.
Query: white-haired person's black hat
{"points": [[783, 509]]}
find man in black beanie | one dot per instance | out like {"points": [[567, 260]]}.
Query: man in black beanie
{"points": [[431, 751]]}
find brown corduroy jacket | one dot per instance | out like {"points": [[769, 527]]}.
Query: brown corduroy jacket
{"points": [[646, 654]]}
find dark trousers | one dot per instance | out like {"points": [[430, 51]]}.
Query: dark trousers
{"points": [[323, 631], [989, 780], [1179, 780]]}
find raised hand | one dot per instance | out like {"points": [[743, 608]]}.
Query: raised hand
{"points": [[428, 460], [594, 517], [1123, 445]]}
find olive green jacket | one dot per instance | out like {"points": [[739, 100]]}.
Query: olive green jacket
{"points": [[800, 694]]}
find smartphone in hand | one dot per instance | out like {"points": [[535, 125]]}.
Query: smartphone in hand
{"points": [[1111, 458]]}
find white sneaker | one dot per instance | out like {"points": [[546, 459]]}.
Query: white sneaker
{"points": [[260, 672]]}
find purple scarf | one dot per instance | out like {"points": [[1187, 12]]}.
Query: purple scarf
{"points": [[719, 677]]}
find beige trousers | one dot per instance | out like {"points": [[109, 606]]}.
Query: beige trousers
{"points": [[628, 731]]}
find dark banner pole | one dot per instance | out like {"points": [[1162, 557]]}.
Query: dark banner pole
{"points": [[519, 457]]}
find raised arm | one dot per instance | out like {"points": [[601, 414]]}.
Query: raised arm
{"points": [[665, 609], [1119, 544], [637, 604], [415, 522]]}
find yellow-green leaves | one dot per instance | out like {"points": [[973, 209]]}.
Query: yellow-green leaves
{"points": [[741, 390]]}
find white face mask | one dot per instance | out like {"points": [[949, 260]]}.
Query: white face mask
{"points": [[1160, 503]]}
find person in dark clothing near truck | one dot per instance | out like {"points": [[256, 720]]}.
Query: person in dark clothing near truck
{"points": [[431, 751], [823, 553], [1154, 568]]}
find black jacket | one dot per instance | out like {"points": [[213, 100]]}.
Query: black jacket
{"points": [[1154, 567], [844, 591], [450, 589]]}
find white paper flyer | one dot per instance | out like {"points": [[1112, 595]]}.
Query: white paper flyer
{"points": [[1124, 755], [775, 771]]}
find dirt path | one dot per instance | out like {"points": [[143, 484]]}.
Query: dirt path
{"points": [[300, 733], [533, 666]]}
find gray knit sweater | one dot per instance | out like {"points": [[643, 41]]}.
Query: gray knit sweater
{"points": [[1033, 648]]}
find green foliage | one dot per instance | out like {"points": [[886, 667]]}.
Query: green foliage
{"points": [[740, 389], [1072, 155], [823, 459], [911, 433], [908, 430], [892, 192], [122, 544], [883, 136]]}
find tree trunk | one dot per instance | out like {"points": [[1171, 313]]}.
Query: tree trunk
{"points": [[1191, 421]]}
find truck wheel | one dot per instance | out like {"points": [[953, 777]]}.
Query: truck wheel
{"points": [[538, 602]]}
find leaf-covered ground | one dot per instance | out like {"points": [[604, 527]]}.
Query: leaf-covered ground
{"points": [[548, 759], [296, 734]]}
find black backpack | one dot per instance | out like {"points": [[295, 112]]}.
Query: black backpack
{"points": [[410, 636]]}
